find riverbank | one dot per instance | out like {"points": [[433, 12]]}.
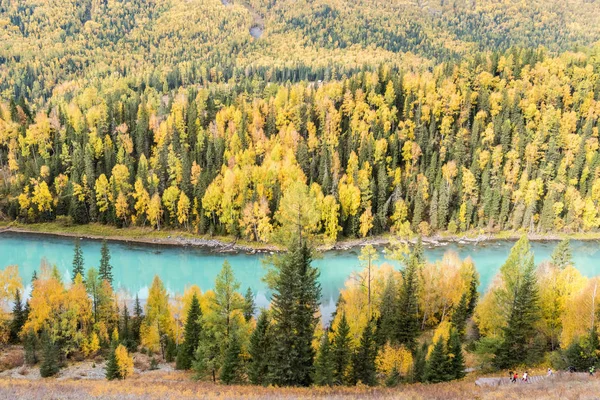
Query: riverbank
{"points": [[224, 244]]}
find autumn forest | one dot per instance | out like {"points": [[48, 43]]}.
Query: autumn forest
{"points": [[333, 121]]}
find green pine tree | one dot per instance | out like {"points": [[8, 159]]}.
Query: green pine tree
{"points": [[518, 335], [420, 364], [232, 369], [249, 306], [193, 329], [324, 366], [455, 355], [408, 318], [388, 311], [460, 315], [105, 270], [18, 318], [258, 368], [50, 361], [364, 369], [437, 364], [138, 318], [112, 368], [562, 256], [78, 267], [341, 352], [125, 330], [31, 347], [295, 302]]}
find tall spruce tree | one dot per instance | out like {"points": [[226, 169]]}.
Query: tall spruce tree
{"points": [[364, 369], [138, 318], [232, 369], [420, 364], [50, 357], [258, 368], [18, 318], [294, 305], [324, 367], [408, 309], [460, 315], [562, 256], [105, 270], [78, 267], [388, 313], [437, 369], [112, 367], [518, 335], [193, 330], [341, 352], [455, 354], [249, 306]]}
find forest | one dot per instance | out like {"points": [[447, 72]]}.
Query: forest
{"points": [[417, 324]]}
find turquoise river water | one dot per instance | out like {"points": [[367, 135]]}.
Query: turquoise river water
{"points": [[134, 265]]}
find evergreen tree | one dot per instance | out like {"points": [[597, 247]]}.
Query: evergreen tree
{"points": [[78, 267], [112, 367], [249, 306], [562, 256], [364, 369], [193, 329], [105, 270], [460, 316], [231, 372], [520, 331], [294, 305], [388, 313], [324, 366], [341, 352], [420, 364], [259, 350], [138, 319], [31, 345], [437, 369], [19, 317], [455, 355], [473, 294], [50, 362], [408, 318], [125, 330]]}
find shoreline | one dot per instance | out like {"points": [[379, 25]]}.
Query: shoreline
{"points": [[147, 236]]}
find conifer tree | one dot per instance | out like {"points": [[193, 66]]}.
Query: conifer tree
{"points": [[31, 347], [78, 267], [562, 256], [364, 369], [341, 352], [455, 355], [420, 364], [112, 368], [193, 329], [138, 319], [231, 371], [249, 306], [520, 331], [437, 369], [105, 270], [50, 362], [258, 368], [125, 329], [388, 313], [324, 366], [408, 318], [19, 317], [460, 315], [294, 305]]}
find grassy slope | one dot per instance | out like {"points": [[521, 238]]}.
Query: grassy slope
{"points": [[177, 385]]}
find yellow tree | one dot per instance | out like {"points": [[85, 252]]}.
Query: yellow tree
{"points": [[155, 211], [298, 213], [183, 209], [158, 320]]}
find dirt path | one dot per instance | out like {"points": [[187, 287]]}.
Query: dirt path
{"points": [[258, 22]]}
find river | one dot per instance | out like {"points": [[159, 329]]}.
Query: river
{"points": [[134, 265]]}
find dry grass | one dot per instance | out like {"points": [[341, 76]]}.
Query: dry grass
{"points": [[179, 386]]}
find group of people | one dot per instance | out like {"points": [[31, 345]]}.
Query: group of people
{"points": [[514, 376]]}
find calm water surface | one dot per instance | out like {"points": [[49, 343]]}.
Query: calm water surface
{"points": [[135, 265]]}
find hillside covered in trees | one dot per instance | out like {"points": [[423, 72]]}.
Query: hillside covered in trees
{"points": [[464, 117]]}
